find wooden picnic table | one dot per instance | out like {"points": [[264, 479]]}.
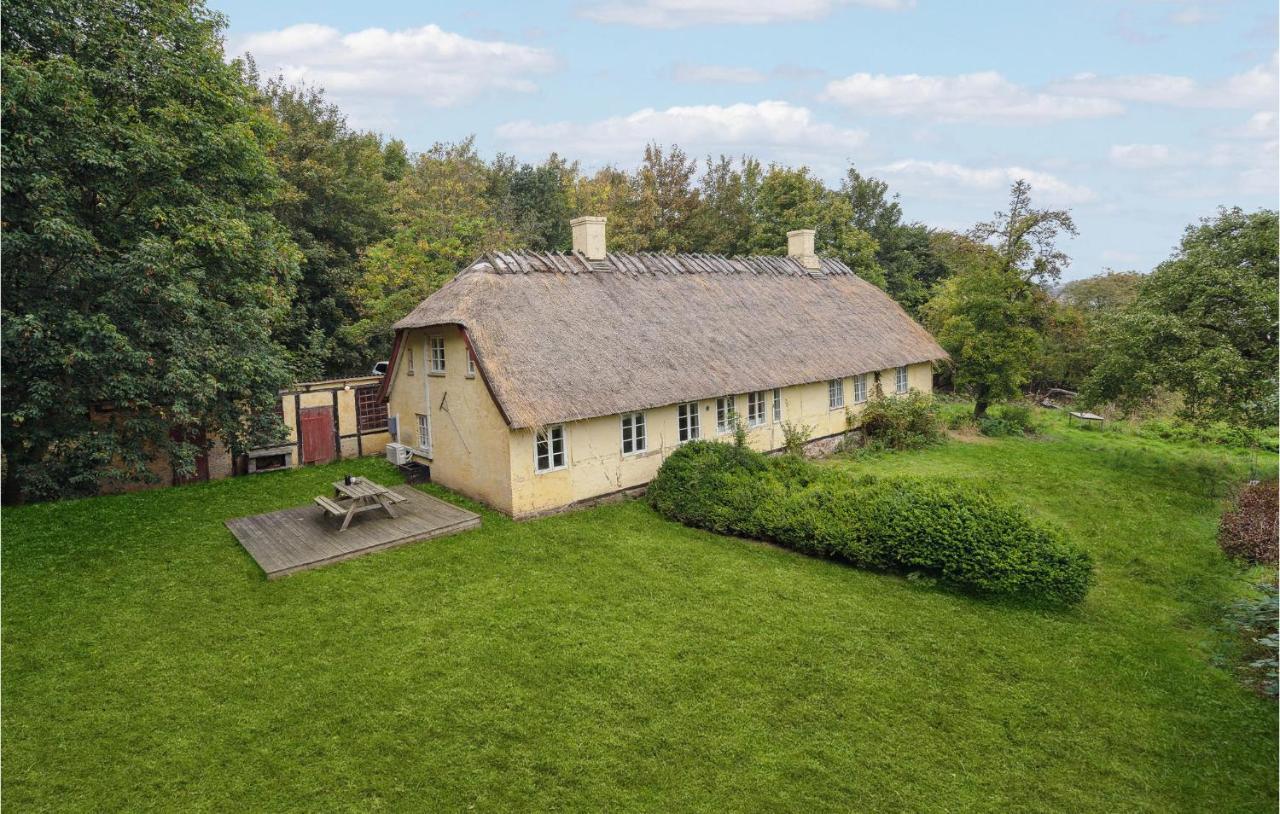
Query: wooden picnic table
{"points": [[361, 495]]}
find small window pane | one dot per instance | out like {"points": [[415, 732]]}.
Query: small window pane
{"points": [[548, 449], [777, 404], [835, 394]]}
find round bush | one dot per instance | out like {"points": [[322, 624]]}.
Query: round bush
{"points": [[961, 535]]}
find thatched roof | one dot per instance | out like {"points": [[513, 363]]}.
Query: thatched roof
{"points": [[558, 337]]}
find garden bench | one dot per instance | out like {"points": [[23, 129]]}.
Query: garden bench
{"points": [[330, 507]]}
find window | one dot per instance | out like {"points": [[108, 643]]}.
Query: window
{"points": [[777, 404], [437, 354], [548, 449], [725, 414], [835, 394], [471, 365], [859, 388], [687, 420], [901, 379], [633, 438], [409, 357], [755, 408], [424, 433], [371, 412]]}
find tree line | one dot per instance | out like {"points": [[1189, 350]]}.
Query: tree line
{"points": [[183, 237]]}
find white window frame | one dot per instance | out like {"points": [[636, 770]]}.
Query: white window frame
{"points": [[409, 369], [835, 394], [688, 424], [777, 405], [755, 409], [725, 413], [859, 388], [548, 433], [424, 438], [634, 432], [900, 381], [435, 354], [471, 364]]}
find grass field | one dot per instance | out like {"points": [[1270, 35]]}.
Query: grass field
{"points": [[610, 660]]}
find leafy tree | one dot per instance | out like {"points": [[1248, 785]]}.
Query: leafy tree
{"points": [[1026, 238], [791, 198], [442, 219], [985, 316], [728, 193], [614, 194], [335, 203], [534, 201], [668, 199], [143, 270], [1203, 325], [1102, 293]]}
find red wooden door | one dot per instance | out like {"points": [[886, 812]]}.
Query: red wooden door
{"points": [[193, 436], [316, 426]]}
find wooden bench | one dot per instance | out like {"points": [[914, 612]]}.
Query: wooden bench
{"points": [[330, 507]]}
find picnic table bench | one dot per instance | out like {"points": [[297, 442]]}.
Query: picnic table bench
{"points": [[361, 495], [1084, 417]]}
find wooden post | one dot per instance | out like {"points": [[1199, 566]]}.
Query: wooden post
{"points": [[337, 432]]}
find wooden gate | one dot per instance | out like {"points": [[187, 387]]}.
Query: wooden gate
{"points": [[192, 436], [316, 426]]}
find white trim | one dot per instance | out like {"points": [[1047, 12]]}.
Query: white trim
{"points": [[777, 404], [755, 400], [639, 440], [551, 456], [435, 342], [692, 422], [859, 388], [901, 383], [835, 394], [471, 364], [724, 425], [424, 450]]}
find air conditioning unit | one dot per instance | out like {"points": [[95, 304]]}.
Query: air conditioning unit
{"points": [[399, 454]]}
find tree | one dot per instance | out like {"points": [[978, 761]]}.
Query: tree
{"points": [[534, 201], [792, 198], [1102, 293], [668, 199], [335, 203], [984, 315], [728, 192], [1026, 238], [143, 270], [442, 219], [1203, 325]]}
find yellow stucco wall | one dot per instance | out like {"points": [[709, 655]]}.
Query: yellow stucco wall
{"points": [[596, 465], [469, 438]]}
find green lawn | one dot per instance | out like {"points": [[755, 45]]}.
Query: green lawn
{"points": [[610, 660]]}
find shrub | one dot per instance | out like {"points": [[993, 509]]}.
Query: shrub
{"points": [[1007, 420], [794, 437], [1248, 531], [1255, 631], [901, 422], [1216, 434], [959, 535]]}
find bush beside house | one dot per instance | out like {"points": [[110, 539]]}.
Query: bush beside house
{"points": [[960, 535]]}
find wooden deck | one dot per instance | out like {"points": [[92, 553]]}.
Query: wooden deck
{"points": [[294, 540]]}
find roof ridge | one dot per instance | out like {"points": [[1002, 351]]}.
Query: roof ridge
{"points": [[529, 261]]}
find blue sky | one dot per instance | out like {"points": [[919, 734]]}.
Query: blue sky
{"points": [[1141, 117]]}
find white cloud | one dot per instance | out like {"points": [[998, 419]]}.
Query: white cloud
{"points": [[778, 126], [427, 64], [715, 74], [1256, 87], [1192, 15], [1148, 156], [943, 179], [680, 13], [985, 96]]}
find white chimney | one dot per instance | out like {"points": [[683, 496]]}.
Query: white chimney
{"points": [[800, 246], [588, 236]]}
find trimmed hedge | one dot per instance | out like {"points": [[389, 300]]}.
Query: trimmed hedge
{"points": [[958, 534]]}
